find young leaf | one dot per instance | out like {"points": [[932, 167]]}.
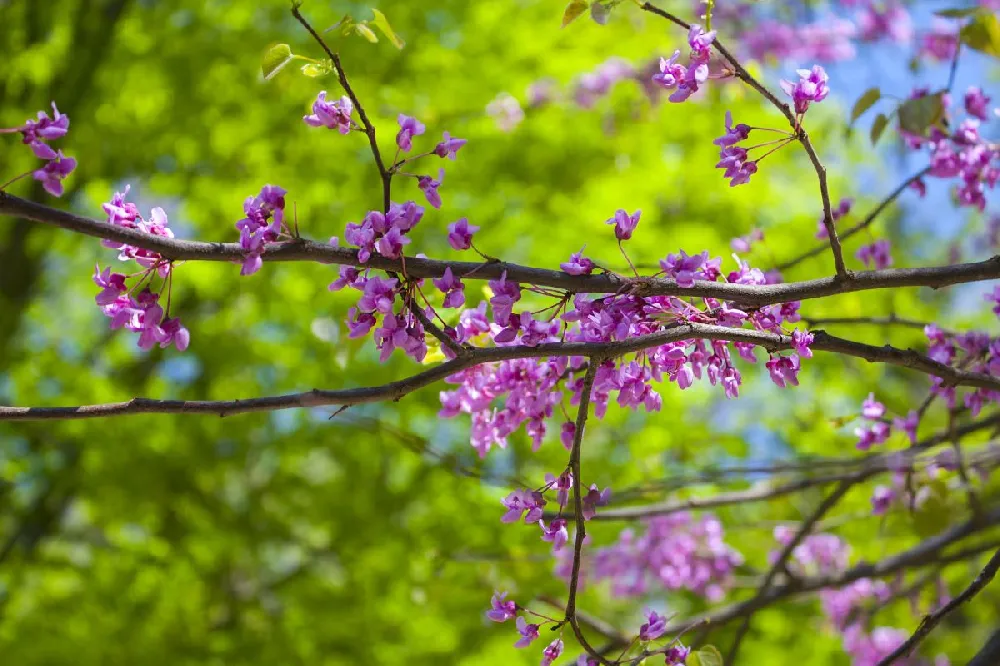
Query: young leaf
{"points": [[382, 23], [366, 32], [959, 12], [983, 34], [315, 69], [916, 115], [573, 11], [881, 122], [865, 102], [274, 59], [709, 656]]}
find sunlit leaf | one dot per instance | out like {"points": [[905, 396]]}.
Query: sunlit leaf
{"points": [[274, 59], [983, 34], [382, 23], [573, 11], [366, 32]]}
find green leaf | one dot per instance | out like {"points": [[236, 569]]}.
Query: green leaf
{"points": [[382, 23], [916, 115], [274, 59], [958, 12], [881, 122], [865, 102], [366, 32], [573, 11], [344, 24], [315, 69], [708, 656], [693, 660], [934, 513], [983, 34]]}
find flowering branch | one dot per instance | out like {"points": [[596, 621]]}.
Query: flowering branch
{"points": [[398, 389], [607, 283]]}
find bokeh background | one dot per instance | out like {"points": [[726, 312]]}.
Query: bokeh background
{"points": [[374, 537]]}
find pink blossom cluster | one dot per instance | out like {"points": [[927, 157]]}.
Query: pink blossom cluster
{"points": [[845, 607], [963, 154], [674, 552], [974, 351], [36, 134], [138, 308]]}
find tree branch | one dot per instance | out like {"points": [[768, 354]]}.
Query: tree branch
{"points": [[398, 389], [781, 564], [607, 283], [931, 620]]}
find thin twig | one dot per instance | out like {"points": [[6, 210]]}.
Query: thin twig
{"points": [[581, 530], [931, 620]]}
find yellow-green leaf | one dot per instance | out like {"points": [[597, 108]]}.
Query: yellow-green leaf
{"points": [[573, 11], [708, 656], [366, 32], [382, 23], [865, 102], [983, 34], [315, 69], [916, 115], [878, 127], [274, 59]]}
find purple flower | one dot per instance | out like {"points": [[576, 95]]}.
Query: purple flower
{"points": [[409, 127], [593, 499], [578, 264], [529, 632], [429, 187], [733, 134], [555, 533], [391, 244], [359, 323], [700, 42], [379, 295], [801, 341], [877, 433], [37, 132], [784, 370], [566, 434], [676, 655], [552, 652], [51, 175], [361, 236], [881, 499], [671, 74], [334, 115], [811, 87], [501, 610], [505, 294], [349, 277], [734, 160], [977, 103], [449, 146], [454, 290], [878, 253], [525, 502], [871, 408], [655, 626], [113, 285], [460, 234], [908, 425], [624, 223]]}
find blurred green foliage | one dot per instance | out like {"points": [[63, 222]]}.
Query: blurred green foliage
{"points": [[294, 538]]}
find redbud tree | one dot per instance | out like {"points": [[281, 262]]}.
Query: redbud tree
{"points": [[540, 354]]}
